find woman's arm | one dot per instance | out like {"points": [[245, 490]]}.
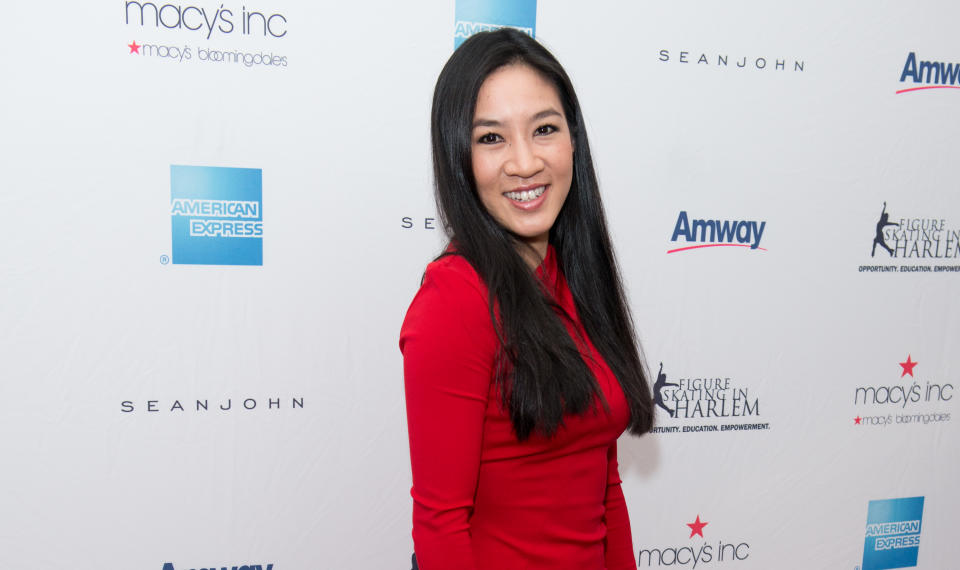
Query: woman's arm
{"points": [[448, 345], [619, 542]]}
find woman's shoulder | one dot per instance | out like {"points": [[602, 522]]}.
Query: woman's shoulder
{"points": [[452, 300], [452, 274]]}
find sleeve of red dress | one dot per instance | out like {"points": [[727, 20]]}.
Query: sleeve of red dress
{"points": [[619, 541], [448, 345]]}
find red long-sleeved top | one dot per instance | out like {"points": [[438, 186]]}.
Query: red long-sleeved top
{"points": [[482, 500]]}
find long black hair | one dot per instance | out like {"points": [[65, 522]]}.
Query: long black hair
{"points": [[539, 368]]}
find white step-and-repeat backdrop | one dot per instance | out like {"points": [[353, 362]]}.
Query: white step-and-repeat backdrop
{"points": [[216, 213]]}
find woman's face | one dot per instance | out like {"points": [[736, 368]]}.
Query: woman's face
{"points": [[522, 152]]}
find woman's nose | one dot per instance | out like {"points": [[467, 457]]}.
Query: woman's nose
{"points": [[523, 160]]}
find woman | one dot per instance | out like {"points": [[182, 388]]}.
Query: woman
{"points": [[520, 360]]}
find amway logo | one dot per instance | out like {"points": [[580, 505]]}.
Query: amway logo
{"points": [[717, 233], [169, 566], [941, 74]]}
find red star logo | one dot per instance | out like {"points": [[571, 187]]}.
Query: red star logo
{"points": [[696, 527], [907, 367], [134, 47], [857, 419]]}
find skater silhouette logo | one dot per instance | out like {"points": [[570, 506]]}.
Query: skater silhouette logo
{"points": [[878, 239], [658, 387]]}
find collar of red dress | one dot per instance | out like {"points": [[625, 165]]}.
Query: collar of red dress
{"points": [[548, 270]]}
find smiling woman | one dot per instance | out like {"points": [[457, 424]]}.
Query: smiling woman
{"points": [[521, 365], [522, 153]]}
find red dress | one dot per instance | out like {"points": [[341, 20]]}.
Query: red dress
{"points": [[482, 499]]}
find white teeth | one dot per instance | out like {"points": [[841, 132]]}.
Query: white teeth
{"points": [[526, 195]]}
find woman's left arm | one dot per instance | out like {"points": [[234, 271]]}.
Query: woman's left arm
{"points": [[619, 542]]}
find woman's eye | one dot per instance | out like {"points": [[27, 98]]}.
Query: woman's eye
{"points": [[546, 129], [489, 138]]}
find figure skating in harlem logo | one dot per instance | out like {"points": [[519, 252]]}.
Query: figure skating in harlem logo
{"points": [[658, 386], [712, 399], [914, 244], [878, 239]]}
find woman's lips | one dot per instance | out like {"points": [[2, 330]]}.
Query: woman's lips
{"points": [[528, 204]]}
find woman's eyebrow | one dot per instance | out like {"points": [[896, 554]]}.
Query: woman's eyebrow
{"points": [[546, 113], [493, 123], [486, 123]]}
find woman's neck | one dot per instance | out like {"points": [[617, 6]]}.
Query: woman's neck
{"points": [[533, 251]]}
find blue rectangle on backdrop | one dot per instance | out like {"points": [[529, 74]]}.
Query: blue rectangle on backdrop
{"points": [[474, 16], [216, 215], [893, 533]]}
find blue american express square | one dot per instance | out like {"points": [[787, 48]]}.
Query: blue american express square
{"points": [[216, 215]]}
